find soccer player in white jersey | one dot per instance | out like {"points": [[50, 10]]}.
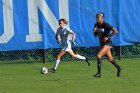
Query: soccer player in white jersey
{"points": [[65, 42]]}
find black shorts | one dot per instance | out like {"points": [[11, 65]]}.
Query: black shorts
{"points": [[108, 43]]}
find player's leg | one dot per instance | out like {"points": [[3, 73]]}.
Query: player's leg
{"points": [[70, 52], [102, 52], [57, 61], [110, 58], [58, 58]]}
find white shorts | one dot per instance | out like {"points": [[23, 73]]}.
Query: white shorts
{"points": [[67, 47]]}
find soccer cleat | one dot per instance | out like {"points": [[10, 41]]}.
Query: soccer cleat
{"points": [[87, 61], [119, 72], [52, 70], [97, 75]]}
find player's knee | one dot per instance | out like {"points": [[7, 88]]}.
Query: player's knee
{"points": [[99, 56], [58, 57]]}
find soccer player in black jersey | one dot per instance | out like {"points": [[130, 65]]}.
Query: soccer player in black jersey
{"points": [[102, 30]]}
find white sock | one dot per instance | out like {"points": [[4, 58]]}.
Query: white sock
{"points": [[56, 64], [81, 57]]}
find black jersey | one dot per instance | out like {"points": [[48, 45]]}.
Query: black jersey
{"points": [[103, 31]]}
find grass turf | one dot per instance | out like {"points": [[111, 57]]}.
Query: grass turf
{"points": [[71, 77]]}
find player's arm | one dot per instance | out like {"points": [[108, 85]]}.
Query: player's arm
{"points": [[56, 36], [73, 35], [114, 32], [73, 38], [57, 39], [95, 30]]}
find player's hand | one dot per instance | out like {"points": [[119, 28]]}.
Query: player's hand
{"points": [[105, 39], [74, 43], [95, 29]]}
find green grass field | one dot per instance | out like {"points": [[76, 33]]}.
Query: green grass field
{"points": [[71, 77]]}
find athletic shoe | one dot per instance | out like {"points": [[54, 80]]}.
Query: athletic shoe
{"points": [[52, 70], [97, 75], [119, 72], [87, 61]]}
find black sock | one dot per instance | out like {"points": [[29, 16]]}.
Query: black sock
{"points": [[99, 64], [115, 64]]}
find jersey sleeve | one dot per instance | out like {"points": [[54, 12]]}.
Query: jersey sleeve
{"points": [[57, 32], [109, 26]]}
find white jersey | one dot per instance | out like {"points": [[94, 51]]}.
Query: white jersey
{"points": [[64, 35]]}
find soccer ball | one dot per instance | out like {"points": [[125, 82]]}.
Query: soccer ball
{"points": [[44, 70]]}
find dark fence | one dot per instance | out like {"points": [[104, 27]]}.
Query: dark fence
{"points": [[48, 55]]}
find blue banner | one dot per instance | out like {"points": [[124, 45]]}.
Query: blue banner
{"points": [[32, 24]]}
